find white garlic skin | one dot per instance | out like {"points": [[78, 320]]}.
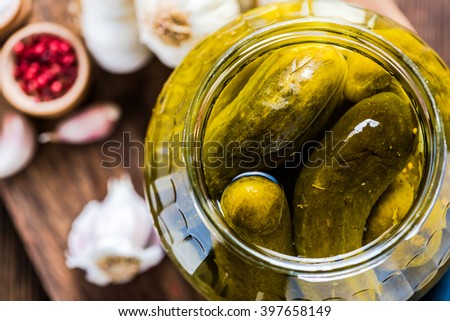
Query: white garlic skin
{"points": [[120, 226], [199, 19], [17, 144], [111, 35]]}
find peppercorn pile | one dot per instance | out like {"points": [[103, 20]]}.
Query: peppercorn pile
{"points": [[46, 66]]}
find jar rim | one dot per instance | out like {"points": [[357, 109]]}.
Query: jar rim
{"points": [[369, 255]]}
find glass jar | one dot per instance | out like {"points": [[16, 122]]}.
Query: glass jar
{"points": [[401, 264]]}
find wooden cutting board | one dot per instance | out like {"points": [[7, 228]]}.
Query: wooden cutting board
{"points": [[44, 199]]}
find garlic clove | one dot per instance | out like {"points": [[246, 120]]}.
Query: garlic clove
{"points": [[17, 144], [172, 28], [130, 218], [111, 34], [82, 229], [91, 125], [114, 240]]}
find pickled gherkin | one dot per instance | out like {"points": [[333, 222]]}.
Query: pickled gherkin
{"points": [[257, 210], [234, 87], [333, 201], [365, 78], [390, 209], [279, 104]]}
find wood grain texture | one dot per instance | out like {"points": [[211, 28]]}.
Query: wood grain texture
{"points": [[431, 18], [18, 281], [44, 199]]}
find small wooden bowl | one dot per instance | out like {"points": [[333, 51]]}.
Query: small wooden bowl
{"points": [[18, 16], [27, 104]]}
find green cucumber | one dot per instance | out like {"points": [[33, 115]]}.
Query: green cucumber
{"points": [[294, 87], [371, 145]]}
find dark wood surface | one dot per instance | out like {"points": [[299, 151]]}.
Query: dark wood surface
{"points": [[18, 281], [43, 200]]}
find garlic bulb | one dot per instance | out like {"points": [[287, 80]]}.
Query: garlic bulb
{"points": [[94, 124], [171, 28], [111, 34], [17, 144], [114, 240]]}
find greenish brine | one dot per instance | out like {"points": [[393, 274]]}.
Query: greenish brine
{"points": [[285, 100], [333, 201]]}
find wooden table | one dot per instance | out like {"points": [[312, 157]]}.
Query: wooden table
{"points": [[44, 200], [28, 196]]}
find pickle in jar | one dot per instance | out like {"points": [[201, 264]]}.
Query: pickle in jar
{"points": [[333, 201], [282, 99], [256, 208], [334, 207]]}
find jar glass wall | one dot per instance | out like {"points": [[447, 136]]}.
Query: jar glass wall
{"points": [[397, 266]]}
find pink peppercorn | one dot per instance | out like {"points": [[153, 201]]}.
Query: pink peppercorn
{"points": [[56, 87], [46, 66]]}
